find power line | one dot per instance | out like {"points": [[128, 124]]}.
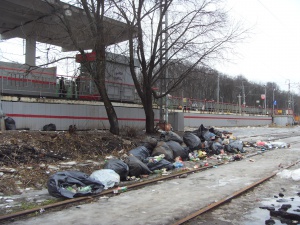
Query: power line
{"points": [[271, 13]]}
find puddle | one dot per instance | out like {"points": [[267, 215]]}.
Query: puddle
{"points": [[280, 210]]}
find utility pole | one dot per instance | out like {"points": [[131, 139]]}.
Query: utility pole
{"points": [[218, 93], [289, 95], [273, 102], [222, 104], [164, 61], [293, 103], [265, 101], [240, 109], [244, 96]]}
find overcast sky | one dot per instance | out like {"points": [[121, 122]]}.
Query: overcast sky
{"points": [[271, 54]]}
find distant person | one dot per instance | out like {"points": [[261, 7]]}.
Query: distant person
{"points": [[62, 88], [77, 81]]}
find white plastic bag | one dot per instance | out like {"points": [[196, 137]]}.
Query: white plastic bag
{"points": [[278, 144], [285, 174], [296, 175], [107, 177]]}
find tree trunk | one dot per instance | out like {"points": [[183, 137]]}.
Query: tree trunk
{"points": [[149, 120], [100, 82], [149, 113], [112, 116]]}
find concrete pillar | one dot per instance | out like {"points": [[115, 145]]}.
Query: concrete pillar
{"points": [[176, 119], [30, 51]]}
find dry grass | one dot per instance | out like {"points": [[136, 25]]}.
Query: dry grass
{"points": [[32, 153]]}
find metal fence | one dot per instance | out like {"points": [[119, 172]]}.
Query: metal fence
{"points": [[205, 106]]}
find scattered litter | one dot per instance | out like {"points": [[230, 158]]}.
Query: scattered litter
{"points": [[42, 210], [109, 157], [120, 189], [183, 176], [290, 174], [164, 172], [104, 197], [107, 177]]}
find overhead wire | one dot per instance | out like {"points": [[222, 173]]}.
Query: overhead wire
{"points": [[279, 21]]}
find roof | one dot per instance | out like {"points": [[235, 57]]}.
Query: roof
{"points": [[38, 19]]}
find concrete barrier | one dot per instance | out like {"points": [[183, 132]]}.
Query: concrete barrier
{"points": [[34, 113]]}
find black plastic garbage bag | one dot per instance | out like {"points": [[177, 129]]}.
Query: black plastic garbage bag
{"points": [[119, 167], [200, 131], [192, 141], [216, 132], [150, 143], [235, 146], [216, 148], [163, 148], [207, 135], [136, 166], [141, 152], [10, 124], [157, 165], [49, 127], [170, 136], [62, 185], [178, 150]]}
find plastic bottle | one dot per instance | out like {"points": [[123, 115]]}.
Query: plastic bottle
{"points": [[85, 189], [157, 171], [120, 189]]}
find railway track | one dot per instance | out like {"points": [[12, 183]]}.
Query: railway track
{"points": [[71, 202], [209, 208], [228, 198]]}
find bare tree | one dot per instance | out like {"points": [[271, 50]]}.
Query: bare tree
{"points": [[174, 31], [92, 22]]}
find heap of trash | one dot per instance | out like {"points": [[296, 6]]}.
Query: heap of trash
{"points": [[153, 156]]}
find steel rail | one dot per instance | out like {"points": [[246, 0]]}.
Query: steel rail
{"points": [[229, 198]]}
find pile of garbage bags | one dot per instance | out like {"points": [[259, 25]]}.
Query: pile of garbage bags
{"points": [[167, 152]]}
